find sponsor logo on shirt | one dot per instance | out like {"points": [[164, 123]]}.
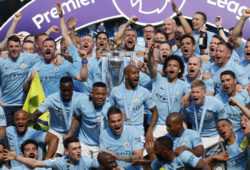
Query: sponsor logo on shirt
{"points": [[126, 144], [23, 65]]}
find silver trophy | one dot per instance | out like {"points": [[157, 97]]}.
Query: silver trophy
{"points": [[112, 66]]}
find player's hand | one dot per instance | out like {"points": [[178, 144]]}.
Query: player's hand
{"points": [[99, 53], [18, 16], [58, 60], [72, 23], [223, 156], [175, 8], [186, 100], [8, 155], [206, 76], [205, 58], [218, 21], [179, 150], [132, 20], [54, 29], [246, 13], [59, 9], [66, 137]]}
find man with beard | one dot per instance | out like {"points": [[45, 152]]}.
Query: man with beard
{"points": [[72, 159], [120, 37], [86, 44], [122, 141], [149, 34], [232, 140], [229, 81], [50, 74], [29, 149], [183, 139], [14, 72], [163, 155], [168, 89], [91, 117], [212, 52], [131, 98], [222, 63], [194, 69], [95, 63], [203, 113], [3, 163], [21, 132], [60, 106], [39, 38], [187, 49]]}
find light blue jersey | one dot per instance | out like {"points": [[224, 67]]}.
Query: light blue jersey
{"points": [[61, 163], [132, 102], [235, 58], [240, 50], [139, 47], [185, 158], [145, 81], [83, 87], [24, 167], [50, 75], [61, 113], [246, 66], [237, 155], [16, 141], [204, 118], [167, 96], [233, 112], [73, 51], [123, 145], [92, 120], [208, 82], [2, 117], [13, 74], [189, 138], [237, 69], [4, 167]]}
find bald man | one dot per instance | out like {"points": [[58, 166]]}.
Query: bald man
{"points": [[184, 139], [194, 69], [21, 132], [169, 26], [107, 162], [131, 98]]}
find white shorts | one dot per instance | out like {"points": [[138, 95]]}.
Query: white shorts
{"points": [[159, 130], [209, 141], [90, 151], [60, 147]]}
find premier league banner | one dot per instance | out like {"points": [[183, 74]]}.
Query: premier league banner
{"points": [[39, 15]]}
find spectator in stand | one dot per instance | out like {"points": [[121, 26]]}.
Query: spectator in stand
{"points": [[101, 28]]}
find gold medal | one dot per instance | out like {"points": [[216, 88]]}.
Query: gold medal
{"points": [[98, 119], [129, 122]]}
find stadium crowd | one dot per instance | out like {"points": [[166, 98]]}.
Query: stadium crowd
{"points": [[184, 91]]}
